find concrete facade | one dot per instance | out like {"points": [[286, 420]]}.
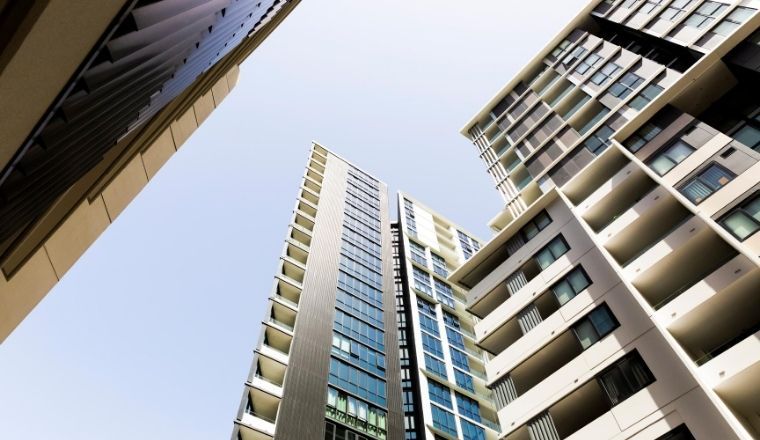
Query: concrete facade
{"points": [[615, 298]]}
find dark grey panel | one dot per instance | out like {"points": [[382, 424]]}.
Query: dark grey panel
{"points": [[393, 370], [302, 411]]}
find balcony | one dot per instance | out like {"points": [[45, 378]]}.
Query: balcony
{"points": [[268, 375], [293, 270], [622, 236], [669, 268], [687, 308], [585, 406], [310, 196], [722, 321], [616, 196], [318, 167], [301, 236], [281, 316], [735, 376], [307, 207], [258, 418], [296, 253], [276, 344], [304, 222], [312, 184], [595, 175], [287, 293], [506, 334], [319, 178]]}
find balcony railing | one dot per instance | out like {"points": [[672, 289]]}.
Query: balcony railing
{"points": [[717, 351], [259, 376], [281, 324]]}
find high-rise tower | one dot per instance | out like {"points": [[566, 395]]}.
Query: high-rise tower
{"points": [[327, 363], [619, 296], [96, 96], [445, 391]]}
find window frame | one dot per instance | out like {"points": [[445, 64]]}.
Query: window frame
{"points": [[740, 208], [697, 177]]}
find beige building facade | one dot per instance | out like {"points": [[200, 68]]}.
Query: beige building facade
{"points": [[618, 298], [132, 81]]}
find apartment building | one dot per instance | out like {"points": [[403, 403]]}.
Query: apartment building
{"points": [[97, 95], [443, 370], [618, 296], [327, 361]]}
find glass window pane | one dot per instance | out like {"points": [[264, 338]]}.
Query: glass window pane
{"points": [[741, 225], [585, 333], [543, 220], [679, 151], [544, 258], [716, 177], [603, 321], [753, 208], [558, 247], [661, 165], [563, 292], [696, 191], [530, 231], [578, 280], [748, 135]]}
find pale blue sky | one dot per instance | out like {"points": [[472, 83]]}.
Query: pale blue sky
{"points": [[150, 335]]}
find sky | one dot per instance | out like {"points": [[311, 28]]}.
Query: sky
{"points": [[150, 335]]}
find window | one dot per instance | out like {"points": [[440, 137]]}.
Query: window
{"points": [[422, 281], [432, 345], [459, 359], [599, 140], [435, 366], [649, 6], [355, 413], [471, 431], [418, 253], [560, 49], [625, 85], [705, 14], [594, 326], [642, 137], [573, 56], [676, 10], [455, 338], [357, 382], [451, 320], [587, 63], [444, 293], [358, 354], [604, 74], [733, 21], [668, 158], [429, 324], [535, 225], [426, 307], [439, 394], [439, 265], [748, 132], [551, 252], [571, 285], [705, 183], [743, 220], [444, 420], [645, 97], [463, 380], [468, 407], [625, 378]]}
